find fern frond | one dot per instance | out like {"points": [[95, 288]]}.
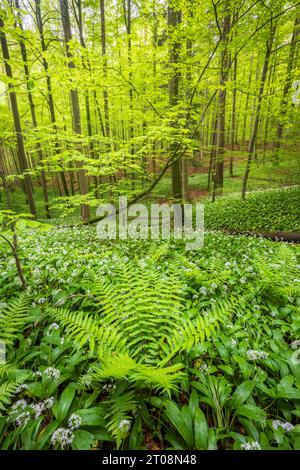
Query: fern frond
{"points": [[83, 328], [13, 319], [119, 417], [140, 326], [122, 366], [7, 391], [142, 305]]}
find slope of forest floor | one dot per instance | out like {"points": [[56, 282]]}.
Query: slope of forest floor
{"points": [[118, 342]]}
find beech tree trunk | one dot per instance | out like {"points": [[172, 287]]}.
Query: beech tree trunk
{"points": [[17, 122], [33, 114], [50, 100], [174, 18], [83, 180], [251, 147], [286, 89], [219, 161]]}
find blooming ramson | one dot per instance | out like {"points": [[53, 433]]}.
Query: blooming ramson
{"points": [[62, 437], [49, 402], [37, 374], [203, 290], [254, 445], [19, 405], [74, 422], [53, 326], [23, 418], [52, 373], [124, 426], [254, 355], [21, 388], [287, 427], [38, 408], [204, 368]]}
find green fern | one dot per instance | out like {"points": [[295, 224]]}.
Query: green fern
{"points": [[122, 366], [275, 270], [13, 319], [120, 410], [140, 326], [10, 378], [7, 391]]}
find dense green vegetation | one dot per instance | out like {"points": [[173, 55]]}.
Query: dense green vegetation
{"points": [[134, 344], [265, 211], [127, 339]]}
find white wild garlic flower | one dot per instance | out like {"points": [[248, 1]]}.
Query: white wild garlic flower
{"points": [[254, 445], [124, 426], [62, 437], [285, 425], [254, 355], [52, 373], [74, 422]]}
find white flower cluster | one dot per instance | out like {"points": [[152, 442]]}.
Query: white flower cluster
{"points": [[23, 418], [124, 426], [204, 368], [52, 373], [37, 374], [21, 388], [254, 445], [23, 412], [287, 427], [62, 437], [53, 326], [74, 422], [254, 355], [18, 406], [40, 407], [108, 386]]}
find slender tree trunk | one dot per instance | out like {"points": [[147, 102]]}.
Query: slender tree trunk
{"points": [[4, 180], [174, 19], [33, 114], [286, 89], [104, 55], [188, 77], [251, 148], [213, 151], [269, 108], [127, 4], [86, 65], [50, 100], [112, 178], [154, 72], [233, 118], [83, 180], [247, 104], [219, 162], [17, 122]]}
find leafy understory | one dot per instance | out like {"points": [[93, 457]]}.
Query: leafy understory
{"points": [[162, 348]]}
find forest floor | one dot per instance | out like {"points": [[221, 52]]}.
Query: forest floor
{"points": [[146, 345]]}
